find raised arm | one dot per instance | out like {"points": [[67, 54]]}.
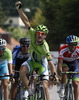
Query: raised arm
{"points": [[22, 15]]}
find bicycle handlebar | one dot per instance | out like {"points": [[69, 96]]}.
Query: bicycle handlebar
{"points": [[5, 76], [16, 71], [40, 76], [69, 72]]}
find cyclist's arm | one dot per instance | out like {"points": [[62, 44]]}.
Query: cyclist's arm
{"points": [[52, 66], [23, 16], [13, 69], [60, 62], [9, 60], [10, 68]]}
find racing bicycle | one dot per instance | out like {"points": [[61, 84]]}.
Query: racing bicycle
{"points": [[39, 93], [68, 95], [39, 88], [20, 91]]}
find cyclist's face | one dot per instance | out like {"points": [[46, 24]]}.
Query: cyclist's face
{"points": [[72, 47], [40, 36], [24, 49], [2, 50]]}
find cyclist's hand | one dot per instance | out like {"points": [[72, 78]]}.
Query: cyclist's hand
{"points": [[60, 73], [56, 78], [18, 5], [59, 76], [11, 77]]}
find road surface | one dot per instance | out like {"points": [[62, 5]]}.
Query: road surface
{"points": [[53, 93]]}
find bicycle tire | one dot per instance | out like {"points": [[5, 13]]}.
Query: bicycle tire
{"points": [[66, 93], [42, 94], [70, 92], [31, 97], [62, 98], [19, 95], [36, 95]]}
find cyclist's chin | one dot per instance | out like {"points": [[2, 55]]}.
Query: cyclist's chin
{"points": [[40, 41], [72, 51]]}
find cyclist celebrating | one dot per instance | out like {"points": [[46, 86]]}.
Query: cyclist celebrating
{"points": [[5, 64], [20, 54], [67, 60], [39, 52]]}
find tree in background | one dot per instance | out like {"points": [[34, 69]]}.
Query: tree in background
{"points": [[18, 32], [62, 19], [38, 18], [2, 16], [9, 5], [60, 16]]}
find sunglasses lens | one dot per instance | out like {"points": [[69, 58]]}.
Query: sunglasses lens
{"points": [[2, 49], [38, 33], [42, 33], [73, 44], [25, 46]]}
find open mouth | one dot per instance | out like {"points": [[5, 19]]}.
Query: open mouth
{"points": [[39, 38]]}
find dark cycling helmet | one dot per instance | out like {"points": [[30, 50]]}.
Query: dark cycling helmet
{"points": [[72, 39], [3, 43], [42, 28], [24, 41]]}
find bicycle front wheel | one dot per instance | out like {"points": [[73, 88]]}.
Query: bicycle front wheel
{"points": [[70, 92], [66, 93], [36, 95], [42, 94]]}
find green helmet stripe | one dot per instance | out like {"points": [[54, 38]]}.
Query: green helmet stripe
{"points": [[42, 28]]}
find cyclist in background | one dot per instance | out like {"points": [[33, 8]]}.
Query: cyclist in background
{"points": [[5, 66], [39, 52], [67, 61], [20, 54]]}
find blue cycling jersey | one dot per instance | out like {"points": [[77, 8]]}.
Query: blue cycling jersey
{"points": [[18, 57]]}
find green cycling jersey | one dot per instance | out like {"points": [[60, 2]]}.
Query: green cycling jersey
{"points": [[38, 51], [6, 57]]}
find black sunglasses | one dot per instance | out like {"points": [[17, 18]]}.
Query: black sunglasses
{"points": [[24, 45], [71, 44], [2, 49]]}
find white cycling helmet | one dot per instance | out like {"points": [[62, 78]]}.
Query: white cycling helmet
{"points": [[72, 39], [2, 42]]}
